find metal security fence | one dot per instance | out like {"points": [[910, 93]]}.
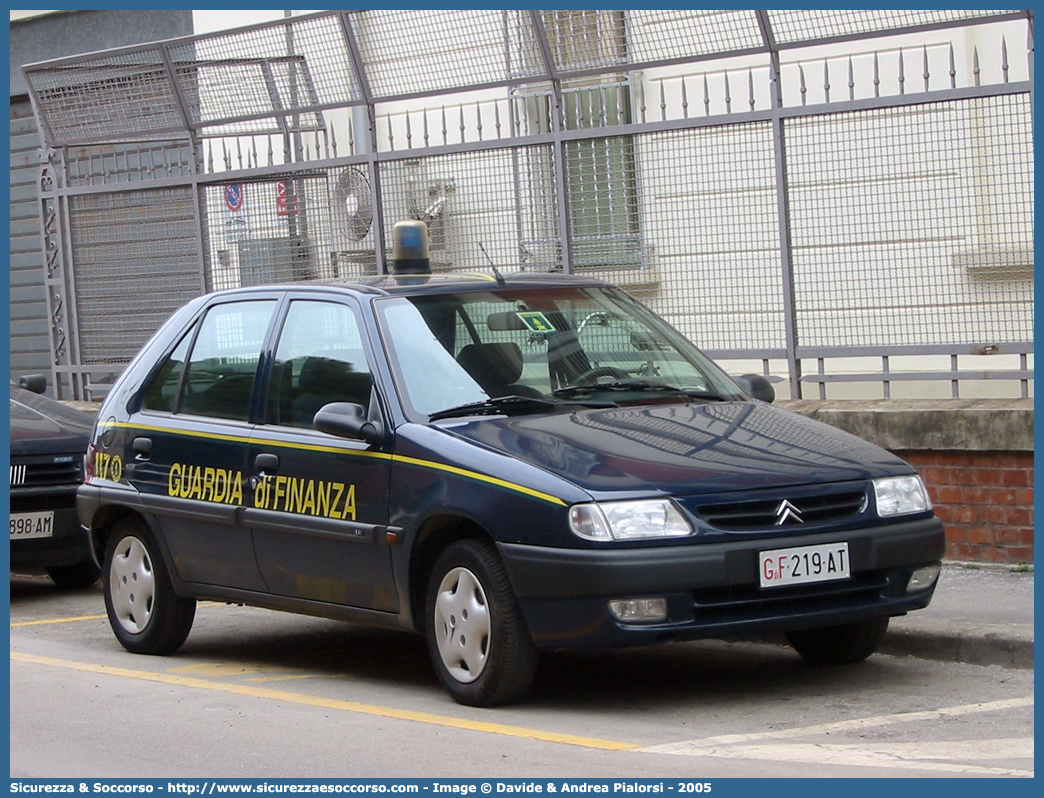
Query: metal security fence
{"points": [[834, 198]]}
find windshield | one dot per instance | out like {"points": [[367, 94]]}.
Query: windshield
{"points": [[563, 343]]}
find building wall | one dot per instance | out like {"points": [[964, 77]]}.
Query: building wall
{"points": [[41, 38], [985, 500], [975, 456], [30, 343]]}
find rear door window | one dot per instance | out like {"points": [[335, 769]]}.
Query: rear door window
{"points": [[217, 378]]}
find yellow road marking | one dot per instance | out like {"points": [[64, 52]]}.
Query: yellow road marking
{"points": [[45, 621], [57, 620], [330, 703]]}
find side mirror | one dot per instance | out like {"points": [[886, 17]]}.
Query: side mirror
{"points": [[757, 386], [348, 420], [37, 383]]}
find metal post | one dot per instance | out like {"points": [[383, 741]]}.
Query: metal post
{"points": [[783, 210], [558, 145], [366, 142]]}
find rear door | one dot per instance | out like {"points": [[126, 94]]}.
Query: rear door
{"points": [[187, 446], [319, 503]]}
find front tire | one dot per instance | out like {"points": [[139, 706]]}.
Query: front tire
{"points": [[839, 645], [477, 637], [145, 613]]}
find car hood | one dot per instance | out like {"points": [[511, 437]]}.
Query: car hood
{"points": [[684, 449], [44, 426]]}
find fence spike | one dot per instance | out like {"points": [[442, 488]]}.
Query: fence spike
{"points": [[228, 158], [926, 74], [333, 138], [750, 87], [271, 152], [424, 127], [801, 82], [409, 132], [210, 157], [826, 80], [877, 77], [706, 95], [685, 99], [663, 102], [445, 131], [478, 119], [975, 64], [1004, 58], [391, 134], [728, 94], [953, 69], [460, 108], [496, 118], [851, 79], [239, 151], [902, 73]]}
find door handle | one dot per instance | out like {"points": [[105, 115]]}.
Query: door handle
{"points": [[266, 462], [142, 448]]}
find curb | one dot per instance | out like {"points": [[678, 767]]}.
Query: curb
{"points": [[967, 643]]}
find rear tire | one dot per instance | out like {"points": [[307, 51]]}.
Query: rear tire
{"points": [[477, 638], [845, 644], [78, 575], [145, 613]]}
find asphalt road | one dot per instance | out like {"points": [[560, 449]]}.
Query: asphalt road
{"points": [[255, 693]]}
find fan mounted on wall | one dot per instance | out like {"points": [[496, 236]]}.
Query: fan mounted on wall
{"points": [[353, 203]]}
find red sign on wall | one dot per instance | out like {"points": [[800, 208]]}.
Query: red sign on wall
{"points": [[286, 198]]}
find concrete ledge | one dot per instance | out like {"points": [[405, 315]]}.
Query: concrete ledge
{"points": [[953, 424], [949, 641]]}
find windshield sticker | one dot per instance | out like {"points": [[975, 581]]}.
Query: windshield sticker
{"points": [[535, 321]]}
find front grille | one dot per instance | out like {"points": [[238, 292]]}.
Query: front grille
{"points": [[36, 503], [783, 512], [34, 475]]}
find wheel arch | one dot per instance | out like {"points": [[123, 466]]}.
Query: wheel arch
{"points": [[433, 537], [107, 519]]}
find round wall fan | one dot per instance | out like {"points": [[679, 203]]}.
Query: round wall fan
{"points": [[353, 203]]}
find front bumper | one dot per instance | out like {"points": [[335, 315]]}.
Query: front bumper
{"points": [[69, 543], [712, 589]]}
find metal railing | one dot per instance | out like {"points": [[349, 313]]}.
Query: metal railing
{"points": [[836, 199]]}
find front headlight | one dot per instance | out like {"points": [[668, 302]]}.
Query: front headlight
{"points": [[630, 520], [901, 496]]}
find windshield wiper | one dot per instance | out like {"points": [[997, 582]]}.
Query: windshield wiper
{"points": [[638, 385], [506, 405]]}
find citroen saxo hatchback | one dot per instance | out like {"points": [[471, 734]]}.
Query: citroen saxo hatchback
{"points": [[504, 464]]}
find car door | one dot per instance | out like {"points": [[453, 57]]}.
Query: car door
{"points": [[187, 445], [319, 506]]}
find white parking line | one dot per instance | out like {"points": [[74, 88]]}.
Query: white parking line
{"points": [[948, 757]]}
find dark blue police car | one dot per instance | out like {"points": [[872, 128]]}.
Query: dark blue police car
{"points": [[505, 464]]}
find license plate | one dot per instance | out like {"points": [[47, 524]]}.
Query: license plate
{"points": [[803, 564], [32, 525]]}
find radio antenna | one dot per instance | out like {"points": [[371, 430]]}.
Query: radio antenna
{"points": [[492, 265]]}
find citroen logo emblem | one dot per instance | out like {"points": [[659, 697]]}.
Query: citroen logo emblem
{"points": [[788, 513]]}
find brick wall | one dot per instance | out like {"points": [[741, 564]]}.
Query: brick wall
{"points": [[984, 499]]}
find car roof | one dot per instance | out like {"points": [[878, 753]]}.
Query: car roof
{"points": [[423, 284]]}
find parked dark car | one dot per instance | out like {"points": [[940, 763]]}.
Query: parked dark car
{"points": [[504, 464], [48, 443]]}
